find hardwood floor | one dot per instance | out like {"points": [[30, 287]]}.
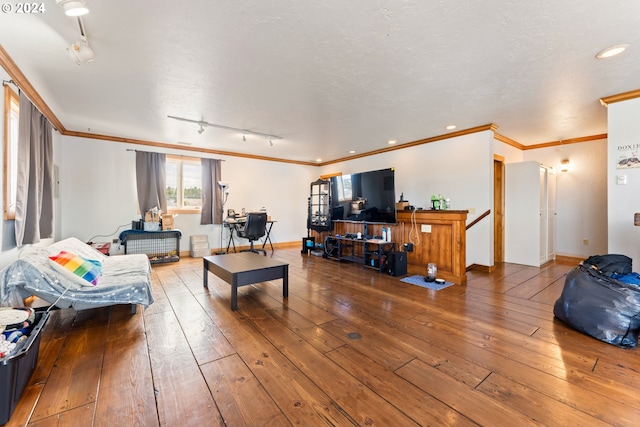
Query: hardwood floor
{"points": [[349, 347]]}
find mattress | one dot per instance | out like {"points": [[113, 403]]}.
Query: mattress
{"points": [[125, 279]]}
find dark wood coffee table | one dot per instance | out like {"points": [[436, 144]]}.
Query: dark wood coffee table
{"points": [[245, 268]]}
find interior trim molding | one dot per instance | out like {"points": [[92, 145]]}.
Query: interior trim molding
{"points": [[490, 126], [23, 83], [625, 96], [567, 141], [508, 141]]}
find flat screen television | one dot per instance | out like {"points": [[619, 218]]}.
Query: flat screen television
{"points": [[365, 196]]}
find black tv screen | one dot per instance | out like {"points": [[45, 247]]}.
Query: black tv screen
{"points": [[365, 196]]}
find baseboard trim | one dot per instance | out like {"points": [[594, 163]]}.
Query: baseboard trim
{"points": [[569, 259], [280, 245], [482, 268]]}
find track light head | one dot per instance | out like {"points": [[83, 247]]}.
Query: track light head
{"points": [[244, 137], [201, 130], [73, 7], [80, 52], [270, 143]]}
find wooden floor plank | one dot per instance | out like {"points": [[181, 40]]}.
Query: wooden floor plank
{"points": [[239, 395], [422, 407], [127, 384], [177, 379], [477, 406], [74, 383], [487, 353]]}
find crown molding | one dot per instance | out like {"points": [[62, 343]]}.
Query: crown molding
{"points": [[23, 83], [625, 96]]}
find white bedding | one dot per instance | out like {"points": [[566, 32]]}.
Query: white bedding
{"points": [[125, 279]]}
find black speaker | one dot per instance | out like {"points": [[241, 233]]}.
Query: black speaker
{"points": [[397, 263]]}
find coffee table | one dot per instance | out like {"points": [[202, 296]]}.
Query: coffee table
{"points": [[245, 268]]}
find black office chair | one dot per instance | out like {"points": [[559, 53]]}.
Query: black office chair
{"points": [[254, 228]]}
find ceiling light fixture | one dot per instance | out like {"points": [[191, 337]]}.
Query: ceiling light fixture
{"points": [[270, 143], [80, 52], [612, 51], [203, 124], [244, 137], [73, 7], [450, 127], [201, 130], [391, 142]]}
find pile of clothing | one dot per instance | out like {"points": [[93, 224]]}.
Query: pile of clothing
{"points": [[16, 324]]}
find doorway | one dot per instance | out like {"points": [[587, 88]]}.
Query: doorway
{"points": [[498, 209]]}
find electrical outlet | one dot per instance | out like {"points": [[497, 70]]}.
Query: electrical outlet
{"points": [[425, 228], [585, 241]]}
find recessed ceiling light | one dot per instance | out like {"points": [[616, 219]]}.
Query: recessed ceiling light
{"points": [[352, 151], [393, 141], [612, 51], [450, 127], [318, 160]]}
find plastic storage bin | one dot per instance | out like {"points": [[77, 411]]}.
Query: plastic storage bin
{"points": [[16, 370]]}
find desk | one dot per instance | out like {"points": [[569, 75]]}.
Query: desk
{"points": [[236, 224], [243, 269]]}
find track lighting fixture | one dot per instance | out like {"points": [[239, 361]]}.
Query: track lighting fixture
{"points": [[270, 143], [73, 7], [80, 52], [244, 137], [244, 132]]}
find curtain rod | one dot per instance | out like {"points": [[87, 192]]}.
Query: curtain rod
{"points": [[179, 155], [8, 82]]}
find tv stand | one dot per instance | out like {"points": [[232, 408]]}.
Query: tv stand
{"points": [[371, 253]]}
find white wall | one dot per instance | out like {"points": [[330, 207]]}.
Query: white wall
{"points": [[623, 201], [459, 168], [98, 192], [581, 196]]}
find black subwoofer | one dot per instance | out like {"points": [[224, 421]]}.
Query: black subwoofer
{"points": [[397, 263]]}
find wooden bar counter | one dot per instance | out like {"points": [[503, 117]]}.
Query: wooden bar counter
{"points": [[439, 237]]}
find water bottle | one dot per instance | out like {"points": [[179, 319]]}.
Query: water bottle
{"points": [[384, 234], [388, 235]]}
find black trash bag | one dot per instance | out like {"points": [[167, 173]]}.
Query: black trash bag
{"points": [[599, 306], [610, 264]]}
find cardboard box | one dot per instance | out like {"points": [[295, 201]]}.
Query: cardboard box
{"points": [[150, 217], [199, 245], [199, 253], [401, 205], [167, 222], [199, 238]]}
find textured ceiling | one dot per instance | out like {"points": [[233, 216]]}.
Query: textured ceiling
{"points": [[329, 76]]}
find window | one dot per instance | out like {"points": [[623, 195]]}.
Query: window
{"points": [[184, 185], [344, 188], [11, 109]]}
